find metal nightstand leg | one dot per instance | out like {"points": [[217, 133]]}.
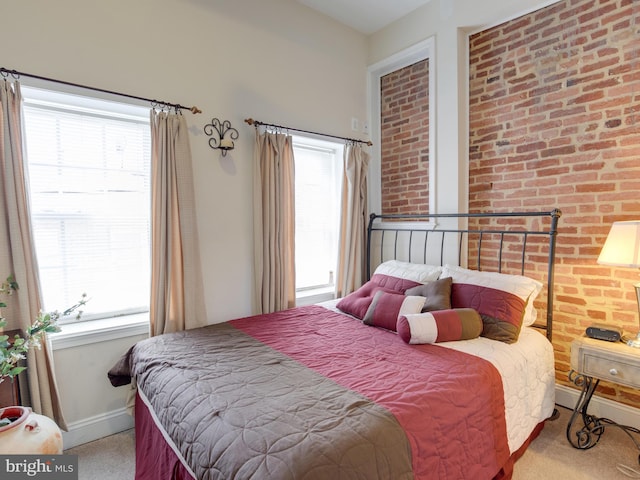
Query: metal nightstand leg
{"points": [[593, 427], [589, 435]]}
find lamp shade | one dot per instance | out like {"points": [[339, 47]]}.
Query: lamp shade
{"points": [[622, 247]]}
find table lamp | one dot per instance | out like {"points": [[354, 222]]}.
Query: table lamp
{"points": [[622, 249]]}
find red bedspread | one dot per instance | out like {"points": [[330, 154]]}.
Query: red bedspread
{"points": [[450, 404], [310, 393]]}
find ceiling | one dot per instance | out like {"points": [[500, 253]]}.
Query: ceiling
{"points": [[366, 16]]}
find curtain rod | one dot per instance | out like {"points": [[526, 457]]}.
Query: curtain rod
{"points": [[5, 72], [257, 123]]}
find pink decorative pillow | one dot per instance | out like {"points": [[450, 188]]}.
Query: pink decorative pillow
{"points": [[440, 326], [500, 299], [501, 311], [386, 308], [399, 276], [357, 303], [395, 284], [389, 276]]}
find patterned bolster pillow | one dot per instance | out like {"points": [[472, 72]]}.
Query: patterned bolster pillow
{"points": [[440, 326]]}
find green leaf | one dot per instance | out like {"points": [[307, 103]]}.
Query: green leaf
{"points": [[16, 370], [34, 331], [45, 322]]}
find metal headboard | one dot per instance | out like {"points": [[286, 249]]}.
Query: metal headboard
{"points": [[507, 242]]}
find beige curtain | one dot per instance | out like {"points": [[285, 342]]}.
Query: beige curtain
{"points": [[274, 222], [353, 221], [17, 256], [177, 294]]}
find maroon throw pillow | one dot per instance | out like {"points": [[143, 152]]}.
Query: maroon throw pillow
{"points": [[395, 284], [386, 308], [357, 303], [501, 311]]}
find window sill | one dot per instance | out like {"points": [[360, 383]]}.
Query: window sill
{"points": [[309, 297], [94, 331]]}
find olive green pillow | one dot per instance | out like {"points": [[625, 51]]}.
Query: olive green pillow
{"points": [[437, 293]]}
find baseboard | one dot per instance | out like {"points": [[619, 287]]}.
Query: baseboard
{"points": [[93, 428], [600, 407]]}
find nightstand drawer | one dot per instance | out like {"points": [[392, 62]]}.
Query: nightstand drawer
{"points": [[611, 369], [614, 362]]}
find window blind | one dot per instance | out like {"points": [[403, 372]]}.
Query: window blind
{"points": [[89, 182], [318, 176]]}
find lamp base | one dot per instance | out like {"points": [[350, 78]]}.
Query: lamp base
{"points": [[631, 340]]}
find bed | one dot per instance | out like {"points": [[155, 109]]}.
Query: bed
{"points": [[429, 370]]}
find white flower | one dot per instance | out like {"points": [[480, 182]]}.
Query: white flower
{"points": [[15, 357]]}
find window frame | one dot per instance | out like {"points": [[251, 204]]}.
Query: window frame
{"points": [[319, 293], [424, 50], [92, 328]]}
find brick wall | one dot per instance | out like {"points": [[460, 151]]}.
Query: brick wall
{"points": [[555, 122], [404, 119]]}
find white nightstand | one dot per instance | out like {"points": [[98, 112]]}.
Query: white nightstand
{"points": [[591, 361]]}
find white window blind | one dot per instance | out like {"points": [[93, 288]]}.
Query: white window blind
{"points": [[318, 176], [89, 175]]}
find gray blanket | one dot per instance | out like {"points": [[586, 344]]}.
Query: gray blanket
{"points": [[238, 409]]}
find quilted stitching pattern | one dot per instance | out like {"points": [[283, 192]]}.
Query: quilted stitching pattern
{"points": [[253, 414], [452, 434], [528, 394]]}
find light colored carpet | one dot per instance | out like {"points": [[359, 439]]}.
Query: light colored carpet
{"points": [[109, 458], [549, 457]]}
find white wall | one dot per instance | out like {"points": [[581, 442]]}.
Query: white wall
{"points": [[275, 61], [93, 408]]}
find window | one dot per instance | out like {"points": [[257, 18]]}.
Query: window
{"points": [[393, 153], [318, 177], [89, 182]]}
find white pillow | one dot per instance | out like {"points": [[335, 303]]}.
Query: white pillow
{"points": [[524, 287], [416, 272]]}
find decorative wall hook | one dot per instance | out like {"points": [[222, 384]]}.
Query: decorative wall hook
{"points": [[222, 135]]}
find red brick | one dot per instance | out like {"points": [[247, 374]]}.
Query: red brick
{"points": [[580, 73], [554, 152]]}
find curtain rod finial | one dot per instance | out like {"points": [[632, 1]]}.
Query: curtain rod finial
{"points": [[195, 109]]}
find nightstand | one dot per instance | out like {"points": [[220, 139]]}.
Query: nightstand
{"points": [[591, 361]]}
